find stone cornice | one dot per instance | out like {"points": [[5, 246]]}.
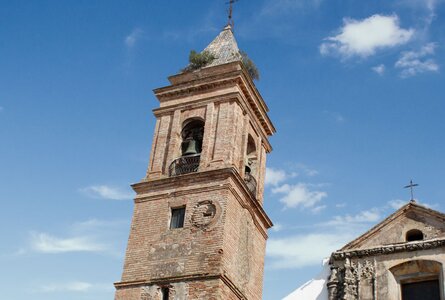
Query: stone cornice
{"points": [[194, 277], [252, 205], [389, 249], [213, 78]]}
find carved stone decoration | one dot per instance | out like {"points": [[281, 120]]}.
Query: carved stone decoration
{"points": [[408, 247], [333, 284], [367, 270], [205, 213], [151, 292], [351, 280]]}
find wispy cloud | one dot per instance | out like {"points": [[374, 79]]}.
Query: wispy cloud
{"points": [[1, 108], [73, 287], [306, 170], [300, 195], [337, 117], [428, 6], [45, 243], [364, 37], [107, 192], [396, 203], [303, 250], [95, 236], [415, 62], [275, 176], [296, 251], [367, 216], [380, 69], [132, 38]]}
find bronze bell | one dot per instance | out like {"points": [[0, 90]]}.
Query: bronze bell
{"points": [[191, 148], [247, 163]]}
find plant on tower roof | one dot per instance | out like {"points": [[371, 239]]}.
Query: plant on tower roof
{"points": [[250, 66], [199, 60]]}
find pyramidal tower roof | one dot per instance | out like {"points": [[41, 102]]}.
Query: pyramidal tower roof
{"points": [[224, 48]]}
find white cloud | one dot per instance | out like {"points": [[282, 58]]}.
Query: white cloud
{"points": [[75, 286], [397, 203], [299, 195], [380, 69], [131, 39], [107, 192], [45, 243], [366, 216], [274, 176], [303, 250], [277, 227], [364, 37], [98, 236], [318, 208], [414, 62]]}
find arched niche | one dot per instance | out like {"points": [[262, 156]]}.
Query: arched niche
{"points": [[414, 235]]}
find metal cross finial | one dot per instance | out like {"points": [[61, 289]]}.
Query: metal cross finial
{"points": [[231, 2], [410, 186]]}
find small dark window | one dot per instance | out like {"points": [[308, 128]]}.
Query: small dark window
{"points": [[414, 235], [177, 220], [165, 293]]}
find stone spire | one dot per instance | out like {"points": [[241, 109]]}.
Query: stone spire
{"points": [[224, 48]]}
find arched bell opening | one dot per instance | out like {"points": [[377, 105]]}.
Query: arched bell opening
{"points": [[192, 134], [250, 165]]}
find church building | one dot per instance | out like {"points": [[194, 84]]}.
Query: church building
{"points": [[199, 230], [401, 258]]}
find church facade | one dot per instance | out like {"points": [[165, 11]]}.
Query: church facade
{"points": [[199, 230], [401, 258]]}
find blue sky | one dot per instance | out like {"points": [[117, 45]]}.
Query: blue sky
{"points": [[355, 90]]}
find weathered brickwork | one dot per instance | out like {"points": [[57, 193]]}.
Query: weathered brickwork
{"points": [[219, 251]]}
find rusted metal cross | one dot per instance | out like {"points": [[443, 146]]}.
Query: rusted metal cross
{"points": [[231, 2], [411, 185]]}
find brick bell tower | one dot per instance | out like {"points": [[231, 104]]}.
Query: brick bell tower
{"points": [[199, 229]]}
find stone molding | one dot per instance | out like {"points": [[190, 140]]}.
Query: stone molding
{"points": [[246, 199], [389, 249], [236, 76], [196, 277]]}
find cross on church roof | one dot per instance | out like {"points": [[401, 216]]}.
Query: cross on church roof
{"points": [[231, 2], [411, 185]]}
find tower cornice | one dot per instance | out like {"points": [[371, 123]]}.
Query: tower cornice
{"points": [[148, 190], [212, 78]]}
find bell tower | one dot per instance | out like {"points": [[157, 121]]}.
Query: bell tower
{"points": [[199, 230]]}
